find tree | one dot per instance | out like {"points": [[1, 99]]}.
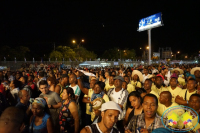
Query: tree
{"points": [[56, 54], [10, 53], [116, 53]]}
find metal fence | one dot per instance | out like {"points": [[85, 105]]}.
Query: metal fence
{"points": [[14, 65]]}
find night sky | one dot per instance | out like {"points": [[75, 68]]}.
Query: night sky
{"points": [[103, 25]]}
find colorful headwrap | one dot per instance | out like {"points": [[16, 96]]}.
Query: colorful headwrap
{"points": [[40, 101]]}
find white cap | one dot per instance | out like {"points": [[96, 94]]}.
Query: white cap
{"points": [[110, 105]]}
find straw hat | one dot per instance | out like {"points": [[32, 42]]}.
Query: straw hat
{"points": [[194, 69], [151, 76], [177, 69], [138, 73]]}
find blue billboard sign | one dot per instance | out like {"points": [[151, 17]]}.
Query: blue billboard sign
{"points": [[150, 22]]}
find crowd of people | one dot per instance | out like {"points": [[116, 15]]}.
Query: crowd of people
{"points": [[97, 100]]}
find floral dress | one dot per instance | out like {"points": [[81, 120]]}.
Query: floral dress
{"points": [[66, 119]]}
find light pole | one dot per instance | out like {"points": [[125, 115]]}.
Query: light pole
{"points": [[149, 40], [147, 49], [120, 53], [74, 42]]}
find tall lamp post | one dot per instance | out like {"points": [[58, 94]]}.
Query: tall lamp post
{"points": [[74, 42], [119, 53]]}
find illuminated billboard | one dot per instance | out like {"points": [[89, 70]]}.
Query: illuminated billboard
{"points": [[150, 22]]}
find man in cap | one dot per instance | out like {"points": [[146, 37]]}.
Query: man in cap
{"points": [[60, 86], [109, 113], [119, 96]]}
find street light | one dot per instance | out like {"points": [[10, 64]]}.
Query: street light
{"points": [[178, 52], [82, 40], [148, 47], [140, 48], [73, 41]]}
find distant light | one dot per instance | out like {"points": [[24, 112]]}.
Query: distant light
{"points": [[196, 61], [82, 40], [147, 47], [73, 41], [140, 48]]}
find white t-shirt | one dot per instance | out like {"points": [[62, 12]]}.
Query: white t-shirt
{"points": [[77, 90], [115, 96], [119, 97]]}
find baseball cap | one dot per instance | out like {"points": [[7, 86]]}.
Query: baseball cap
{"points": [[110, 106], [120, 78]]}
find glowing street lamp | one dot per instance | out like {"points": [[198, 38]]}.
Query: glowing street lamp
{"points": [[73, 41], [178, 52], [140, 48], [148, 47], [82, 40]]}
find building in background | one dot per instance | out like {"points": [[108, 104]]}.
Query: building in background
{"points": [[165, 53]]}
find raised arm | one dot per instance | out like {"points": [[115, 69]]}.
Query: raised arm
{"points": [[84, 90]]}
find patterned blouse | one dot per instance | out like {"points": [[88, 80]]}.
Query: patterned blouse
{"points": [[66, 119]]}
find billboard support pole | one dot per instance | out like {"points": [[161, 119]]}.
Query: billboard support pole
{"points": [[149, 41]]}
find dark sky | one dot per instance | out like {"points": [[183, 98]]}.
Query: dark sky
{"points": [[39, 24]]}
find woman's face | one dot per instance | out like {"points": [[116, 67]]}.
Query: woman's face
{"points": [[135, 102], [49, 82], [97, 89], [65, 95], [37, 109]]}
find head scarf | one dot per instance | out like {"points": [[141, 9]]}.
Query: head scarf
{"points": [[40, 101]]}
